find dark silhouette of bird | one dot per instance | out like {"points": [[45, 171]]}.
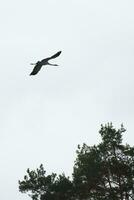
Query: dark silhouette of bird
{"points": [[39, 64]]}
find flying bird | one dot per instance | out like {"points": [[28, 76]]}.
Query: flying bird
{"points": [[39, 64]]}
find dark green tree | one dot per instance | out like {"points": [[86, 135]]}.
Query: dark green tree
{"points": [[101, 172], [105, 171]]}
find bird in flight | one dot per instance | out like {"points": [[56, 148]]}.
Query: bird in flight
{"points": [[39, 64]]}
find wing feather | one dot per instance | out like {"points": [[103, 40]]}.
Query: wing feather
{"points": [[52, 57], [55, 55], [36, 69]]}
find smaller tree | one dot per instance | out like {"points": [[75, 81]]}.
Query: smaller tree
{"points": [[42, 187]]}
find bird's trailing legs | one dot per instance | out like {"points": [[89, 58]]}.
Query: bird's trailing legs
{"points": [[52, 64]]}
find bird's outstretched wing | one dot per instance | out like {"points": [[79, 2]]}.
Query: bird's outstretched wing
{"points": [[52, 57], [36, 69], [55, 55]]}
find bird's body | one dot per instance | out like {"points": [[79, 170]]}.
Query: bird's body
{"points": [[39, 64]]}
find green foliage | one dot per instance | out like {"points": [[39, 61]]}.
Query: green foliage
{"points": [[105, 171], [101, 172], [50, 187]]}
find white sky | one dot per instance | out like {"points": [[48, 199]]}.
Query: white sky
{"points": [[44, 117]]}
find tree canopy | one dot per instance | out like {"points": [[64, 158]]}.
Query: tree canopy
{"points": [[101, 172]]}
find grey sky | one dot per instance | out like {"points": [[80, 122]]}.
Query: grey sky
{"points": [[44, 117]]}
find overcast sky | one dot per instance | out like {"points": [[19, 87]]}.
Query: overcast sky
{"points": [[44, 117]]}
